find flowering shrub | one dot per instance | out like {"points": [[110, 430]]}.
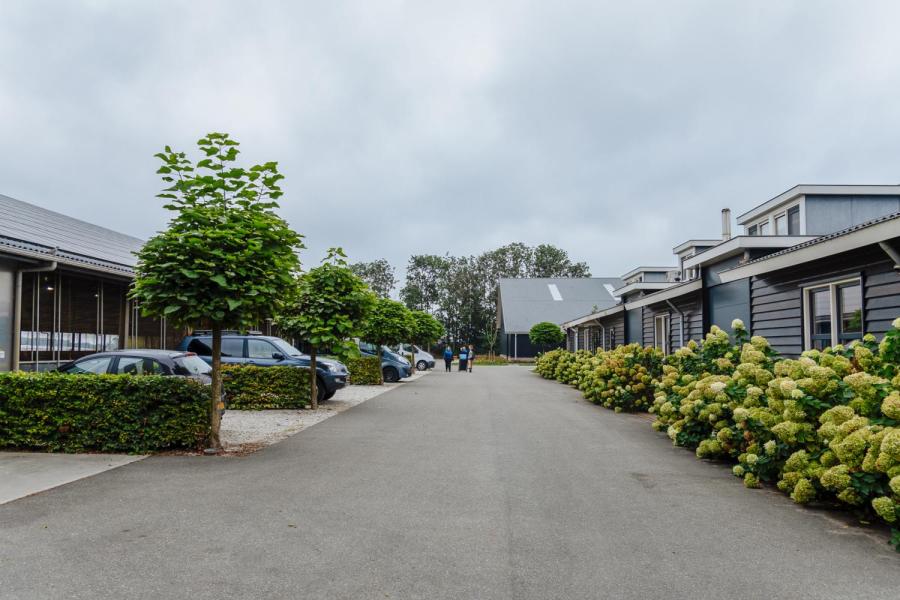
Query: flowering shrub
{"points": [[623, 378]]}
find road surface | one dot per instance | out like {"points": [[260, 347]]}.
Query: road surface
{"points": [[495, 484]]}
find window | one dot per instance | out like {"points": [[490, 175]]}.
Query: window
{"points": [[90, 365], [793, 217], [752, 230], [233, 347], [661, 332], [781, 227], [260, 349], [764, 228], [834, 314], [138, 365]]}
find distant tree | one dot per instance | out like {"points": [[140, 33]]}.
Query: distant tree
{"points": [[378, 274], [328, 307], [461, 292], [226, 258], [425, 276], [389, 323], [428, 330], [550, 261], [546, 334]]}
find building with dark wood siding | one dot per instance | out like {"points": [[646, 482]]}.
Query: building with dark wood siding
{"points": [[814, 266]]}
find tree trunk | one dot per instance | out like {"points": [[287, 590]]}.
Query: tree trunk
{"points": [[216, 400], [313, 385], [380, 359], [412, 360]]}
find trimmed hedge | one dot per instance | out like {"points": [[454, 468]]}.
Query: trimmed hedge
{"points": [[248, 387], [364, 370], [825, 428], [102, 413]]}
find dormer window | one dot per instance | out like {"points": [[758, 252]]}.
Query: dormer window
{"points": [[753, 230], [764, 228]]}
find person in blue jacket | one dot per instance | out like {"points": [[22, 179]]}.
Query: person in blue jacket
{"points": [[463, 358], [448, 357]]}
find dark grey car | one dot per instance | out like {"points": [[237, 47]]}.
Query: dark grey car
{"points": [[142, 362]]}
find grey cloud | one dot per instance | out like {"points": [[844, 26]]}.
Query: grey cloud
{"points": [[612, 129]]}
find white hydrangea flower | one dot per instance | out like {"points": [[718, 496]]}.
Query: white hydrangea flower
{"points": [[737, 324], [896, 323], [717, 387]]}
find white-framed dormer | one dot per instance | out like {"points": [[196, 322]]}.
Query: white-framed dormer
{"points": [[788, 219]]}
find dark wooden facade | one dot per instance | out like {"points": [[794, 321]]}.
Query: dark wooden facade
{"points": [[777, 297]]}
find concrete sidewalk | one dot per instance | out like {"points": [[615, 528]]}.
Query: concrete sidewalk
{"points": [[26, 473]]}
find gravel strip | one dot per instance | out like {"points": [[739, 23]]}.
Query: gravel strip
{"points": [[245, 431]]}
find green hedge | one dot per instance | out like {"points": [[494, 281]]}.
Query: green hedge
{"points": [[364, 370], [102, 413], [248, 387]]}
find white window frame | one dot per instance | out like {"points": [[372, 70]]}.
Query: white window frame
{"points": [[832, 287], [769, 220], [664, 345]]}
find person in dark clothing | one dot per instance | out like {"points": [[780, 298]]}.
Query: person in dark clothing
{"points": [[463, 358], [448, 357]]}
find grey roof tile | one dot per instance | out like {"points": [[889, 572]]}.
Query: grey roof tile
{"points": [[526, 302]]}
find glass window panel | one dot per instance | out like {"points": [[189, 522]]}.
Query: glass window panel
{"points": [[764, 228], [260, 349], [90, 365], [781, 227], [752, 230], [793, 216], [820, 317], [850, 305], [231, 347]]}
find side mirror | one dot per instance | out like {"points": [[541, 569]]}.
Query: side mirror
{"points": [[278, 356]]}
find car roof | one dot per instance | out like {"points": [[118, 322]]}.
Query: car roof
{"points": [[138, 352]]}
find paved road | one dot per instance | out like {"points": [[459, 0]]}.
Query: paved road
{"points": [[493, 485]]}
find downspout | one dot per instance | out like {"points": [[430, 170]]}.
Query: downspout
{"points": [[892, 253], [680, 323], [17, 315]]}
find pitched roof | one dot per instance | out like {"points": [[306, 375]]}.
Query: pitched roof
{"points": [[526, 302], [872, 231], [29, 230]]}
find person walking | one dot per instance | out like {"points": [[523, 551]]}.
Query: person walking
{"points": [[463, 357], [448, 357], [471, 356]]}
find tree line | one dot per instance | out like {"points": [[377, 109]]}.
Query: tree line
{"points": [[461, 291]]}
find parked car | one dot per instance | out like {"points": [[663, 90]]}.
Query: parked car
{"points": [[393, 366], [267, 351], [141, 362], [424, 360]]}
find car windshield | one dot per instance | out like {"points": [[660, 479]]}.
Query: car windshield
{"points": [[286, 348], [192, 365]]}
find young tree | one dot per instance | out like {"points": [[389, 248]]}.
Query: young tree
{"points": [[226, 257], [329, 306], [389, 323], [378, 274], [546, 333], [428, 330]]}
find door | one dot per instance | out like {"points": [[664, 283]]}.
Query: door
{"points": [[261, 353]]}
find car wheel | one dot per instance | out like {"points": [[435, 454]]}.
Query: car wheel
{"points": [[320, 389], [422, 365], [329, 395], [390, 374]]}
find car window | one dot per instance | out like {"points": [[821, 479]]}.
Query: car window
{"points": [[198, 346], [233, 347], [139, 365], [191, 365], [260, 349], [90, 365]]}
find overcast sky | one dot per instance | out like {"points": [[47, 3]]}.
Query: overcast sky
{"points": [[615, 130]]}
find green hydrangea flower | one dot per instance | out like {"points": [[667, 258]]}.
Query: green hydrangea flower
{"points": [[886, 508], [804, 492]]}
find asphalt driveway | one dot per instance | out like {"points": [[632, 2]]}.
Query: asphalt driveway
{"points": [[495, 484]]}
